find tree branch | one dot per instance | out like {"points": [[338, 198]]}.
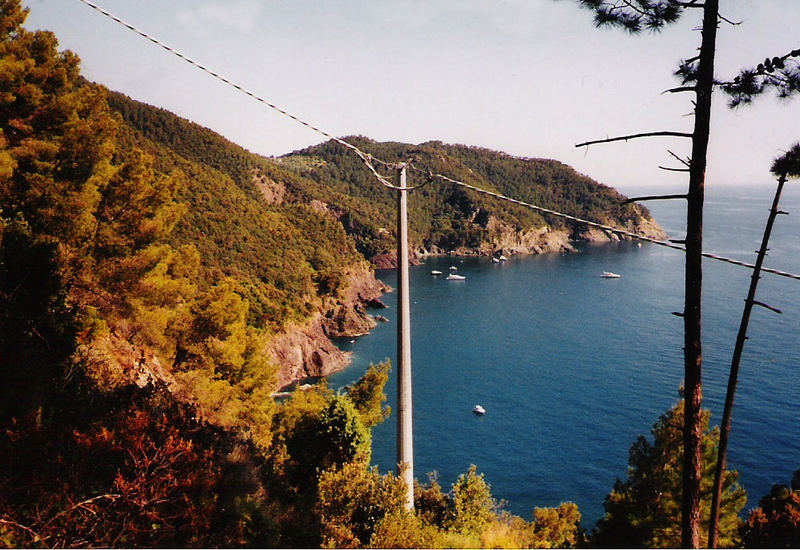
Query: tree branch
{"points": [[686, 163], [636, 136], [680, 89], [728, 21], [668, 169], [36, 537], [652, 198], [767, 306]]}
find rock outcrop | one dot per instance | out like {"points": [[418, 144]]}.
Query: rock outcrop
{"points": [[506, 239], [306, 350], [118, 362]]}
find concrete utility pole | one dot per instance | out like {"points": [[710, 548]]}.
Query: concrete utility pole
{"points": [[405, 435]]}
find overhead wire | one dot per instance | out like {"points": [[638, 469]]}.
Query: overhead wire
{"points": [[609, 228], [365, 157], [368, 159]]}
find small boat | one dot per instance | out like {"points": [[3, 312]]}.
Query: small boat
{"points": [[609, 275], [454, 277], [435, 272], [479, 410], [495, 260], [453, 268], [502, 258]]}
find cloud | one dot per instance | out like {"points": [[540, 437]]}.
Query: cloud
{"points": [[208, 17]]}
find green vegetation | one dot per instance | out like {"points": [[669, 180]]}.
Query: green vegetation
{"points": [[644, 510], [441, 216], [447, 217], [286, 256]]}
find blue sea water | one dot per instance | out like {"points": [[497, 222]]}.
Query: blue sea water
{"points": [[572, 367]]}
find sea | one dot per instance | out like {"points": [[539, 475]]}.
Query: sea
{"points": [[572, 367]]}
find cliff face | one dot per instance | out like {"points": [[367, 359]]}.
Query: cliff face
{"points": [[644, 226], [306, 350], [506, 239]]}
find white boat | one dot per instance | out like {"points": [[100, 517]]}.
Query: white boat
{"points": [[435, 272], [502, 258], [454, 277], [609, 275], [453, 268], [479, 410]]}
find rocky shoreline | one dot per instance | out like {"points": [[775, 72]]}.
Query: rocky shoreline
{"points": [[307, 351], [505, 239]]}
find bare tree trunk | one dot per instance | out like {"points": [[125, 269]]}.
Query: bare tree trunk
{"points": [[693, 356], [722, 453]]}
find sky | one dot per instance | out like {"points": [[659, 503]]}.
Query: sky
{"points": [[528, 77]]}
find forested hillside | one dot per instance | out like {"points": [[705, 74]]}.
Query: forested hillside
{"points": [[446, 218], [443, 218]]}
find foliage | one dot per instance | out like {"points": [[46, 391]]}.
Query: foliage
{"points": [[776, 521], [644, 510], [472, 502], [401, 529], [148, 476], [352, 500], [635, 16], [557, 527], [368, 397], [358, 507], [324, 438], [319, 453], [431, 503], [37, 329], [773, 73], [123, 264], [451, 217], [788, 164], [287, 254]]}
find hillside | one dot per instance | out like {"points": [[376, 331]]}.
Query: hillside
{"points": [[446, 219], [294, 231]]}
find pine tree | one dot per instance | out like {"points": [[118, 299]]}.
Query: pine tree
{"points": [[697, 74], [643, 511]]}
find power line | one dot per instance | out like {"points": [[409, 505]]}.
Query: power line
{"points": [[368, 159], [609, 228], [365, 157]]}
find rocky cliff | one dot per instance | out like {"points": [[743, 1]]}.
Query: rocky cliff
{"points": [[503, 238], [306, 350]]}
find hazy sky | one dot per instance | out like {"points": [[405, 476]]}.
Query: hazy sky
{"points": [[528, 77]]}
